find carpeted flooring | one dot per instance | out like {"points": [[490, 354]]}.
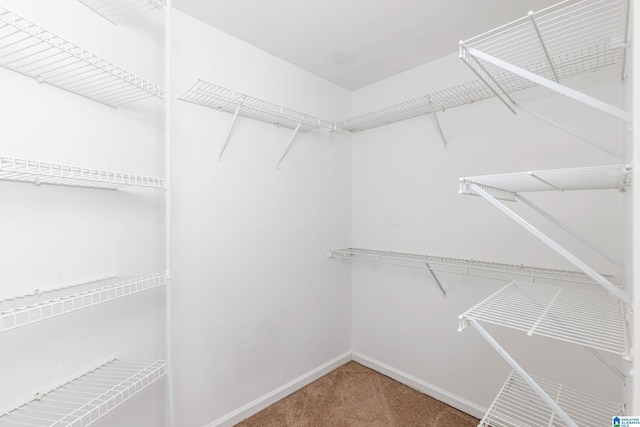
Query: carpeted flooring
{"points": [[356, 396]]}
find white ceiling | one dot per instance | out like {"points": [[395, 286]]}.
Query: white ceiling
{"points": [[354, 43]]}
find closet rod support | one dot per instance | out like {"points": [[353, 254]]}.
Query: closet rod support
{"points": [[523, 374], [570, 231], [544, 47], [226, 139], [556, 87], [433, 274], [553, 245], [293, 135], [571, 132]]}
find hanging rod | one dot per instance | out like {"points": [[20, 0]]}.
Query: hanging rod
{"points": [[89, 397], [470, 267], [117, 11], [36, 172], [518, 405], [34, 51], [42, 305]]}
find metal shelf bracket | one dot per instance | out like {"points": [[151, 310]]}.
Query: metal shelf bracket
{"points": [[293, 135]]}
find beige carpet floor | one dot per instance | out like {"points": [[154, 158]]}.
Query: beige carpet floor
{"points": [[355, 396]]}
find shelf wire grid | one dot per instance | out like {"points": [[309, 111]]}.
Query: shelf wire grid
{"points": [[117, 11], [84, 400], [29, 49], [470, 267], [590, 318], [227, 100], [517, 405], [36, 172], [42, 305], [505, 186], [585, 41]]}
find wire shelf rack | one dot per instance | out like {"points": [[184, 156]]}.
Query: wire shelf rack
{"points": [[36, 172], [470, 267], [591, 318], [29, 49], [219, 98], [517, 405], [117, 11], [506, 186], [89, 397], [578, 43], [42, 305]]}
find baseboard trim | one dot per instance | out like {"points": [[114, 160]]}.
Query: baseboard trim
{"points": [[270, 398], [420, 385]]}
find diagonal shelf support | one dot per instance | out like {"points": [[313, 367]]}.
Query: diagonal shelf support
{"points": [[433, 274], [523, 374], [286, 149], [549, 84], [435, 118], [571, 231], [226, 139], [552, 244], [486, 77], [571, 132], [543, 45]]}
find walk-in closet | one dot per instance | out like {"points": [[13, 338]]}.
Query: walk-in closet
{"points": [[212, 208]]}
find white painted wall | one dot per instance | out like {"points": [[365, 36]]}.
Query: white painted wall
{"points": [[256, 303], [54, 236], [405, 199]]}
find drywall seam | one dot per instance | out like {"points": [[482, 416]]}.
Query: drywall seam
{"points": [[281, 392], [421, 386]]}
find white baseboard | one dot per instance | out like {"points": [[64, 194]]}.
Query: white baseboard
{"points": [[270, 398], [422, 386]]}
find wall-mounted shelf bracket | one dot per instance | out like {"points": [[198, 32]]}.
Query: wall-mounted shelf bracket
{"points": [[286, 149], [551, 243], [226, 138], [532, 16], [571, 132], [435, 278], [435, 118], [549, 84]]}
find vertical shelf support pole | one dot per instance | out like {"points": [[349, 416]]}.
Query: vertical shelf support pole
{"points": [[168, 204], [433, 274], [556, 87], [523, 374], [553, 245], [284, 153], [570, 231], [573, 133], [544, 47], [226, 139]]}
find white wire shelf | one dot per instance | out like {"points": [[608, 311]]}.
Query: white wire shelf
{"points": [[591, 318], [42, 305], [36, 172], [517, 405], [84, 400], [578, 43], [219, 98], [29, 49], [506, 186], [469, 267], [117, 11]]}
